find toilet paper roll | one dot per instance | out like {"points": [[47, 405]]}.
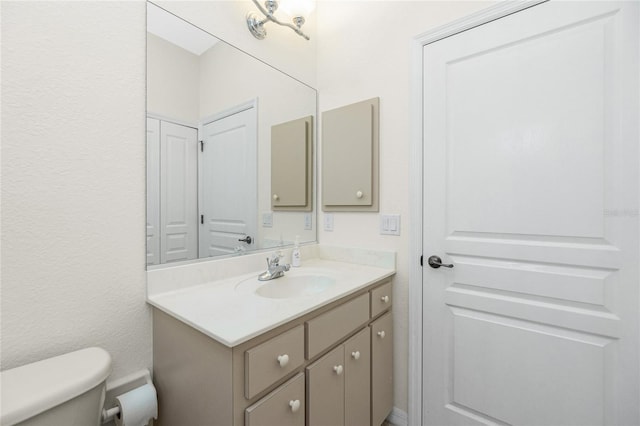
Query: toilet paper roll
{"points": [[137, 406]]}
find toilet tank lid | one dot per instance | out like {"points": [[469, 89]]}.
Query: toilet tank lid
{"points": [[34, 388]]}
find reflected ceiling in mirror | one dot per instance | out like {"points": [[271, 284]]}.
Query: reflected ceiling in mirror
{"points": [[212, 112]]}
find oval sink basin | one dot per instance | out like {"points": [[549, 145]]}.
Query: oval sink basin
{"points": [[295, 286]]}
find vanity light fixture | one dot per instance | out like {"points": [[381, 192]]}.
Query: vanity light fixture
{"points": [[297, 9]]}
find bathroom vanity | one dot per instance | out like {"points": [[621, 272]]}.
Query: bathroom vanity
{"points": [[241, 352]]}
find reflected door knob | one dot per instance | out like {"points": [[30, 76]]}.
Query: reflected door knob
{"points": [[435, 262], [246, 239]]}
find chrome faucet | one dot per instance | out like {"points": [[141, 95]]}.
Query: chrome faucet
{"points": [[274, 269]]}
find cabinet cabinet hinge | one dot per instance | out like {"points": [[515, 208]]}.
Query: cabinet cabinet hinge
{"points": [[201, 146], [420, 260], [202, 223]]}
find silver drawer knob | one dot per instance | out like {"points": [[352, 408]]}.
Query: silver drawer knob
{"points": [[381, 334], [356, 355], [385, 299], [338, 369], [359, 194], [283, 360], [275, 197], [295, 405]]}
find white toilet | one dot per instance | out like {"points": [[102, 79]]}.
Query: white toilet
{"points": [[67, 390]]}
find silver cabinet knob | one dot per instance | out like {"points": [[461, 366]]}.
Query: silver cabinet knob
{"points": [[276, 197], [381, 334], [355, 355], [385, 299], [338, 369], [359, 194]]}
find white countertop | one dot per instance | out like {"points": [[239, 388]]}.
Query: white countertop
{"points": [[229, 311]]}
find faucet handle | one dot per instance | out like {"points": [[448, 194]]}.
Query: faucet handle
{"points": [[275, 260]]}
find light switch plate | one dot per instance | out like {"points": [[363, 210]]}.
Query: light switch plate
{"points": [[390, 224], [328, 222], [308, 222], [267, 220]]}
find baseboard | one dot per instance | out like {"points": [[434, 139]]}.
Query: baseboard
{"points": [[398, 417]]}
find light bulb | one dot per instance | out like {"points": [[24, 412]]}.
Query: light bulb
{"points": [[295, 8]]}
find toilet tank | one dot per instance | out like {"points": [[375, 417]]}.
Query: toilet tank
{"points": [[65, 390]]}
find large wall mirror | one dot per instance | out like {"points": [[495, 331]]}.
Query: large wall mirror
{"points": [[221, 127]]}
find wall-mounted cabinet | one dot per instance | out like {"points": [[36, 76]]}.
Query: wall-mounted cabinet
{"points": [[292, 165], [350, 150]]}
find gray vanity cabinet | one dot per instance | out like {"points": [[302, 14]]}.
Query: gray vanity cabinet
{"points": [[332, 366]]}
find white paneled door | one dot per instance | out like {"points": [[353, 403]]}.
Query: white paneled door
{"points": [[228, 179], [178, 192], [531, 193]]}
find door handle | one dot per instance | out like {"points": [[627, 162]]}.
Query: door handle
{"points": [[435, 262], [246, 239]]}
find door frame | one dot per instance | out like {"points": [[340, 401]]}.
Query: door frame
{"points": [[476, 19]]}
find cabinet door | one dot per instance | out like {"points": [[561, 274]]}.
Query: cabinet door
{"points": [[325, 390], [350, 157], [292, 165], [282, 407], [357, 379], [381, 368]]}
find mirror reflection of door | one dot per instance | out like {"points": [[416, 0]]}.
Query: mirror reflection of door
{"points": [[228, 182], [172, 202]]}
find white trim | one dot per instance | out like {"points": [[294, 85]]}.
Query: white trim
{"points": [[414, 414], [252, 103], [398, 417], [172, 120]]}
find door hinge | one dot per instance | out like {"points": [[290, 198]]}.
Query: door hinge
{"points": [[201, 146], [420, 260], [202, 223]]}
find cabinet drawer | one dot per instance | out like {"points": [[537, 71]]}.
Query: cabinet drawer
{"points": [[283, 407], [381, 299], [272, 360], [328, 328]]}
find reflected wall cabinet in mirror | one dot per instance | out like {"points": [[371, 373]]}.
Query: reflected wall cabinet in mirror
{"points": [[225, 133]]}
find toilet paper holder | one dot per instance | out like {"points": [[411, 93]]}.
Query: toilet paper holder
{"points": [[120, 387]]}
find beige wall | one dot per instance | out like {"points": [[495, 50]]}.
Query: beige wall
{"points": [[364, 50], [73, 182], [173, 78]]}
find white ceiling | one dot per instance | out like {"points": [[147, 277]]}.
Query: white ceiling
{"points": [[173, 29]]}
